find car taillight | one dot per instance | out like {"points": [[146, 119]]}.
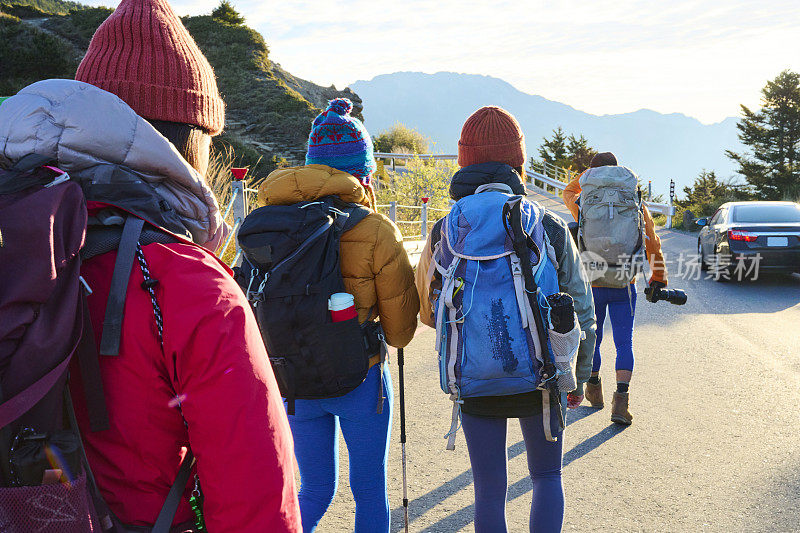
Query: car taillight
{"points": [[737, 235]]}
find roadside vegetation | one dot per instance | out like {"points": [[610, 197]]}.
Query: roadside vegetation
{"points": [[414, 179], [400, 139]]}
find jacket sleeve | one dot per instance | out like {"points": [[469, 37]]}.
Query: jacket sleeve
{"points": [[572, 193], [398, 302], [653, 248], [572, 281], [238, 428], [423, 285]]}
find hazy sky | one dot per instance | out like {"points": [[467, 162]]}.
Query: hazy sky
{"points": [[698, 57]]}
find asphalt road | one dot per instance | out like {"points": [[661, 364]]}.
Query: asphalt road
{"points": [[715, 443]]}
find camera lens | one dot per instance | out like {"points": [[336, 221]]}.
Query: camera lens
{"points": [[673, 296]]}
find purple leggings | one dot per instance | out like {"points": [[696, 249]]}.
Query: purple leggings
{"points": [[488, 454]]}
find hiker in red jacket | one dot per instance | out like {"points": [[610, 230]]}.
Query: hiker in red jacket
{"points": [[201, 380]]}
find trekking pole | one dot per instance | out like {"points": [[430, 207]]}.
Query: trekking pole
{"points": [[403, 432]]}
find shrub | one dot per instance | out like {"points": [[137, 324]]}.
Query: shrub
{"points": [[28, 54], [251, 90], [78, 27], [419, 179], [227, 14], [704, 197], [401, 139], [22, 11], [40, 8]]}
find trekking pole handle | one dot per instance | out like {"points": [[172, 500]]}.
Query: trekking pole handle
{"points": [[402, 396]]}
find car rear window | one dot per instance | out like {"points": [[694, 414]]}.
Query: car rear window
{"points": [[766, 213]]}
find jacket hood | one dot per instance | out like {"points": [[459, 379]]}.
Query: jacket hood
{"points": [[90, 132], [468, 179], [474, 227], [288, 186]]}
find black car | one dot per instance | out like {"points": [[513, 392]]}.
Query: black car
{"points": [[764, 236]]}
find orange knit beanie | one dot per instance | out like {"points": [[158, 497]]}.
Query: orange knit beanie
{"points": [[144, 54], [491, 134]]}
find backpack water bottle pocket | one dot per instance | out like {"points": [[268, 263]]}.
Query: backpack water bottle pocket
{"points": [[564, 347], [53, 508]]}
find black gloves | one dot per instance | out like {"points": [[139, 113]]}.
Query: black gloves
{"points": [[649, 292]]}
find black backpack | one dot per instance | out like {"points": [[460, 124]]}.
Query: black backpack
{"points": [[290, 269]]}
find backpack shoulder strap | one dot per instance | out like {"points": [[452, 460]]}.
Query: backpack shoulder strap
{"points": [[30, 164], [175, 495], [355, 214], [31, 161], [89, 364], [112, 324]]}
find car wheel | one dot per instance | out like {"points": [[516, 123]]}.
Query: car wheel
{"points": [[703, 264]]}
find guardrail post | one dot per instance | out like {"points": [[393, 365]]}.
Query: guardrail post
{"points": [[424, 216], [670, 209], [239, 206], [393, 211]]}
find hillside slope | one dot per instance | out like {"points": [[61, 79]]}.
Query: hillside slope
{"points": [[268, 111], [657, 146]]}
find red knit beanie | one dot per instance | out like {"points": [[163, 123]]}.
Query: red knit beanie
{"points": [[144, 54], [491, 134]]}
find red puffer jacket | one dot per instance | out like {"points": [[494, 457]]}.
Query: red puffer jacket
{"points": [[216, 364]]}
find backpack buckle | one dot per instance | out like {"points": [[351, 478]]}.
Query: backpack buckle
{"points": [[64, 177]]}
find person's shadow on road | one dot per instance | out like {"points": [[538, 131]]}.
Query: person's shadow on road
{"points": [[592, 443], [463, 517], [579, 413]]}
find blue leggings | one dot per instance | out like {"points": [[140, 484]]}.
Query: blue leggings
{"points": [[621, 308], [315, 428], [488, 454]]}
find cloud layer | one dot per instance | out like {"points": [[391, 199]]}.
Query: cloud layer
{"points": [[701, 58]]}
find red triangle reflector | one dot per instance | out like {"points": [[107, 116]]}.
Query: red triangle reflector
{"points": [[239, 173]]}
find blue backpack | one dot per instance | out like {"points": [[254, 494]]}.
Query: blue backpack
{"points": [[488, 336]]}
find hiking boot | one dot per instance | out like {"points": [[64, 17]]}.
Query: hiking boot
{"points": [[594, 394], [619, 409]]}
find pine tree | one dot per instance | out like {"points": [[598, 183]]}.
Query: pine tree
{"points": [[580, 153], [554, 150], [772, 168], [566, 151], [225, 12]]}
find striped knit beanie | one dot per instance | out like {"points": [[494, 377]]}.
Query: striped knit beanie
{"points": [[144, 54], [341, 141], [491, 134]]}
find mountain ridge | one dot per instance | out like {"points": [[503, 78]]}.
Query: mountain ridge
{"points": [[658, 146]]}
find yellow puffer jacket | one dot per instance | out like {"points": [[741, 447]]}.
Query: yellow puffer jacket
{"points": [[375, 267]]}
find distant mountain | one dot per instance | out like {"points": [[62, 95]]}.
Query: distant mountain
{"points": [[656, 146]]}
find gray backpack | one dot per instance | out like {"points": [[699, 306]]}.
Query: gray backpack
{"points": [[611, 226]]}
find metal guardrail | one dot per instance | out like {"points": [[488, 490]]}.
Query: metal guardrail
{"points": [[405, 157], [667, 210], [544, 173]]}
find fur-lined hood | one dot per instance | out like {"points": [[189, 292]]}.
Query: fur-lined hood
{"points": [[90, 131]]}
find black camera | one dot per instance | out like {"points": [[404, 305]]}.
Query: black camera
{"points": [[673, 296]]}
